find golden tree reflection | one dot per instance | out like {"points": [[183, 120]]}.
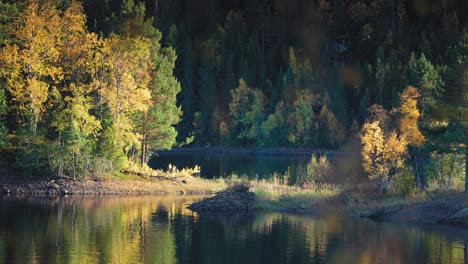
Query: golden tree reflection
{"points": [[162, 230]]}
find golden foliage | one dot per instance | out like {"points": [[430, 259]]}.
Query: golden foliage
{"points": [[408, 116], [26, 67], [381, 154]]}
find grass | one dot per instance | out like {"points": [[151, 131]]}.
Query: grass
{"points": [[361, 201], [275, 195]]}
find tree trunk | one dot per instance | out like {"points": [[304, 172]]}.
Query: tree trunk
{"points": [[466, 170], [74, 168], [144, 150], [142, 156], [465, 252], [418, 167]]}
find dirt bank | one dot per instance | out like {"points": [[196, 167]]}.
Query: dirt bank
{"points": [[162, 185], [449, 209]]}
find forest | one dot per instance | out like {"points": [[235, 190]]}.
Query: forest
{"points": [[87, 87]]}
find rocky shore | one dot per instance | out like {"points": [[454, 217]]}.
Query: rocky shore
{"points": [[451, 209], [232, 200], [97, 186]]}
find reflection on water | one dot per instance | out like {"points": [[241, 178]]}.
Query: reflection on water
{"points": [[214, 165], [161, 230]]}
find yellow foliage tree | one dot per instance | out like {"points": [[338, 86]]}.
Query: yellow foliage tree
{"points": [[408, 116], [381, 154], [128, 90], [31, 67]]}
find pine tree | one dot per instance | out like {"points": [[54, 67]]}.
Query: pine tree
{"points": [[157, 124], [187, 97], [424, 77], [3, 125], [8, 12]]}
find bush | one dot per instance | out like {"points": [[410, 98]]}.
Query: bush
{"points": [[31, 156], [238, 186], [315, 171], [403, 183]]}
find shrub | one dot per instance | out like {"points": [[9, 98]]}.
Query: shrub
{"points": [[403, 183], [315, 171], [238, 186]]}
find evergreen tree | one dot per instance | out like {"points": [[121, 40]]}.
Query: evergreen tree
{"points": [[187, 97]]}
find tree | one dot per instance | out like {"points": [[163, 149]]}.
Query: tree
{"points": [[71, 99], [8, 12], [275, 129], [246, 107], [408, 117], [460, 113], [128, 91], [187, 95], [407, 124], [157, 125], [207, 90], [30, 69], [302, 118], [3, 126], [381, 154], [78, 131], [424, 76], [331, 131]]}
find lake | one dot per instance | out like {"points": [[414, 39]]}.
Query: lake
{"points": [[215, 165], [162, 230], [257, 166]]}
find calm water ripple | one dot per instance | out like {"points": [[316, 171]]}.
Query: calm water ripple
{"points": [[162, 230]]}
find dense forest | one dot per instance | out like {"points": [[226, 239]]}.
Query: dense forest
{"points": [[316, 74], [73, 103]]}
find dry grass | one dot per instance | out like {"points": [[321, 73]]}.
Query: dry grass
{"points": [[274, 194], [135, 179]]}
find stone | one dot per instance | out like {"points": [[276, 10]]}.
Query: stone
{"points": [[458, 218]]}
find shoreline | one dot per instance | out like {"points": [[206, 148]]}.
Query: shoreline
{"points": [[266, 151], [449, 209], [97, 186]]}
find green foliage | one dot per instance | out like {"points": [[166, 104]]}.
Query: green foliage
{"points": [[31, 155], [8, 12], [316, 170], [247, 109], [425, 77], [404, 183], [331, 131], [3, 126], [301, 119], [446, 170], [274, 129], [76, 101]]}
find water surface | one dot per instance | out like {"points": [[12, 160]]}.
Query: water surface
{"points": [[215, 165], [162, 230]]}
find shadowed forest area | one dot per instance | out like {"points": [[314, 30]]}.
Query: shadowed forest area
{"points": [[88, 88]]}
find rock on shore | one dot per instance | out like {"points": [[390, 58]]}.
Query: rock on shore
{"points": [[233, 199]]}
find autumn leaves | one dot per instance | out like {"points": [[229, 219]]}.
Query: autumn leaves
{"points": [[86, 94], [385, 143]]}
